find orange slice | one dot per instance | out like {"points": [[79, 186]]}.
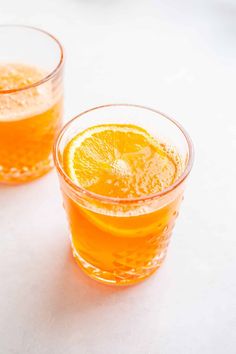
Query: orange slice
{"points": [[122, 161]]}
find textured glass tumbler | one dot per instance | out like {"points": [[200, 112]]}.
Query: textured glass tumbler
{"points": [[31, 101], [122, 241]]}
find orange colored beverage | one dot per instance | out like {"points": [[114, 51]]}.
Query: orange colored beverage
{"points": [[29, 120], [121, 193], [120, 248]]}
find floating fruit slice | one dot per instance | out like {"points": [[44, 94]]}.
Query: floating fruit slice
{"points": [[121, 161]]}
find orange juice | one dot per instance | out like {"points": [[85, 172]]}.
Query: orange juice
{"points": [[30, 116], [119, 232], [120, 248]]}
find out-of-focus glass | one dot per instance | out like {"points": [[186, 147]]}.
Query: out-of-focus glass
{"points": [[31, 101]]}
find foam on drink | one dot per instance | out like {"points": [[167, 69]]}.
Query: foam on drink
{"points": [[26, 102]]}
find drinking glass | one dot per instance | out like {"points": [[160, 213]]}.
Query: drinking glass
{"points": [[31, 101], [122, 241]]}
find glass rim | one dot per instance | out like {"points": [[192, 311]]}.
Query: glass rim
{"points": [[52, 72], [117, 200]]}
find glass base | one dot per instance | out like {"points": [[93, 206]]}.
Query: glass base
{"points": [[112, 278], [15, 176]]}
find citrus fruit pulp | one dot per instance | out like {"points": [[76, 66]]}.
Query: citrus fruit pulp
{"points": [[121, 161]]}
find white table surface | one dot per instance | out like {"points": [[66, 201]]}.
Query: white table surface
{"points": [[179, 57]]}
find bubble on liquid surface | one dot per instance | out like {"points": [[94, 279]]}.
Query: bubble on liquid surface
{"points": [[121, 167]]}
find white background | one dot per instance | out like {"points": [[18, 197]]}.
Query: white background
{"points": [[179, 57]]}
